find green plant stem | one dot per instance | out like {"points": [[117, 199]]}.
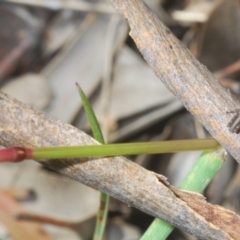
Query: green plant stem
{"points": [[197, 180], [125, 149], [104, 198]]}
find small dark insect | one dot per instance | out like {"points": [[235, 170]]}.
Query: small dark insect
{"points": [[234, 124]]}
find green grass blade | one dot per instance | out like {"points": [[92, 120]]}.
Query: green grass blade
{"points": [[97, 133], [197, 180], [125, 149], [104, 198]]}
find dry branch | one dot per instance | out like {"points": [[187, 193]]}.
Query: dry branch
{"points": [[122, 179], [183, 75], [217, 215]]}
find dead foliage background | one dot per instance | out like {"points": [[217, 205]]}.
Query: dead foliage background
{"points": [[45, 48]]}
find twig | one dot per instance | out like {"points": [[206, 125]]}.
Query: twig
{"points": [[192, 83], [189, 80], [83, 227], [70, 4], [11, 60], [120, 178], [229, 70], [45, 219]]}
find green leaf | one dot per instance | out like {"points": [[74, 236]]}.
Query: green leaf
{"points": [[104, 198], [197, 180]]}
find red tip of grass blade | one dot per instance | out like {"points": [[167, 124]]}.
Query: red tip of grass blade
{"points": [[15, 154]]}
